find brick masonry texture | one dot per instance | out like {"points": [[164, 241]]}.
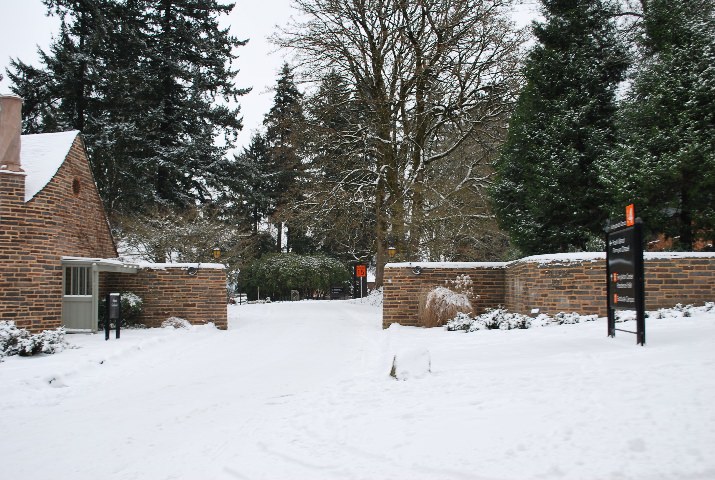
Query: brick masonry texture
{"points": [[552, 287], [67, 218], [171, 292], [35, 235]]}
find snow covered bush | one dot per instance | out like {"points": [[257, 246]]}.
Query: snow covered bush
{"points": [[502, 319], [176, 322], [18, 341], [132, 307], [442, 304], [570, 318], [499, 318]]}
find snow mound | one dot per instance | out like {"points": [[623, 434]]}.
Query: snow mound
{"points": [[176, 322], [411, 363]]}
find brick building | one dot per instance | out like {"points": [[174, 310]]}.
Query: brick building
{"points": [[57, 254]]}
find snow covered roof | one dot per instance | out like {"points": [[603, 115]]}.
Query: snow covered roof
{"points": [[41, 156]]}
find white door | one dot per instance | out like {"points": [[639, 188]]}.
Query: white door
{"points": [[78, 305]]}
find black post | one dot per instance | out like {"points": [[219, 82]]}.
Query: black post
{"points": [[640, 283], [119, 316], [106, 318], [609, 291]]}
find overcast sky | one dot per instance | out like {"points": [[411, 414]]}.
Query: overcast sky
{"points": [[24, 25]]}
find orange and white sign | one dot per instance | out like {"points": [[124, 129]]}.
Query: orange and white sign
{"points": [[361, 271], [630, 215]]}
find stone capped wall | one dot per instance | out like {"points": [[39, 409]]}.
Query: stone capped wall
{"points": [[169, 291], [550, 283]]}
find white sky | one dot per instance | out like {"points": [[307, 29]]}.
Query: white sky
{"points": [[24, 25]]}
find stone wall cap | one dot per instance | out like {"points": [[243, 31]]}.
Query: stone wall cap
{"points": [[666, 255], [166, 266], [577, 257], [465, 265], [580, 257]]}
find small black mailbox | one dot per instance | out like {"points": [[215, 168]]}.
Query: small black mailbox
{"points": [[113, 313], [114, 306]]}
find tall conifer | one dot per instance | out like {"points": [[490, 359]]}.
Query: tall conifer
{"points": [[548, 194]]}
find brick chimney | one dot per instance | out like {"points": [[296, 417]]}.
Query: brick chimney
{"points": [[10, 131]]}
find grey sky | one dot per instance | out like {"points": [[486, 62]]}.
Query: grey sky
{"points": [[24, 25]]}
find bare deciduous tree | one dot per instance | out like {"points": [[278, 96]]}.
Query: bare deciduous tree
{"points": [[429, 75]]}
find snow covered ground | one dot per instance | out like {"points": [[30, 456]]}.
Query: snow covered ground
{"points": [[302, 391]]}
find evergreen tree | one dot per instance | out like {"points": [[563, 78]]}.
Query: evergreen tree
{"points": [[666, 160], [141, 80], [338, 204], [548, 194], [284, 139], [250, 185]]}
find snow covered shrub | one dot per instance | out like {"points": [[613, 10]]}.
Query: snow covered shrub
{"points": [[132, 307], [442, 304], [176, 322], [18, 341], [500, 318], [461, 322], [571, 318], [11, 338]]}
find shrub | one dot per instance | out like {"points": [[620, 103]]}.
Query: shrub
{"points": [[18, 341], [132, 306], [277, 274], [442, 304], [502, 319]]}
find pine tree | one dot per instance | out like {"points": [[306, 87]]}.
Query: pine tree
{"points": [[250, 185], [548, 194], [666, 160], [284, 139], [149, 84], [338, 204]]}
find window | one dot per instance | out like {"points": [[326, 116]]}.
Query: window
{"points": [[78, 281], [76, 187]]}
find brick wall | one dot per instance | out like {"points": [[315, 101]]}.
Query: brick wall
{"points": [[61, 220], [574, 282], [556, 286], [168, 291], [404, 291]]}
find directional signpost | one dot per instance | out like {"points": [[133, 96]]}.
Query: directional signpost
{"points": [[624, 266], [361, 275]]}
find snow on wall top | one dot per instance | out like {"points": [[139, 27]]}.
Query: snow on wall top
{"points": [[41, 156], [164, 266], [447, 265], [562, 258], [577, 257]]}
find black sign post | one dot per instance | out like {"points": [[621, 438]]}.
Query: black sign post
{"points": [[624, 267]]}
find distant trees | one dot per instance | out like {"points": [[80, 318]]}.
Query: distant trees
{"points": [[149, 84], [665, 161], [277, 274], [549, 195], [425, 77]]}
